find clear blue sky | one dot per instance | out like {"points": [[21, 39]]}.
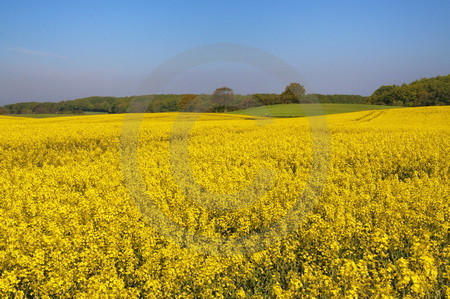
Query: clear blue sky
{"points": [[58, 50]]}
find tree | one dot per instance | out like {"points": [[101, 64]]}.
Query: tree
{"points": [[4, 110], [249, 102], [294, 93], [26, 111], [41, 110], [189, 102], [423, 92], [383, 95], [169, 106], [266, 99], [120, 105], [222, 99], [103, 107]]}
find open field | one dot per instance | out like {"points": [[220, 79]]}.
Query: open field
{"points": [[376, 221], [298, 110]]}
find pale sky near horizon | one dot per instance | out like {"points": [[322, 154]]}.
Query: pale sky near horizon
{"points": [[60, 50]]}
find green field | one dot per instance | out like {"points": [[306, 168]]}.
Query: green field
{"points": [[298, 110], [54, 114]]}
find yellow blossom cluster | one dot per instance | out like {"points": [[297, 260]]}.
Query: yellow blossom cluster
{"points": [[73, 225]]}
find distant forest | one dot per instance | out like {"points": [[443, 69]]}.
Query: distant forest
{"points": [[424, 92], [168, 103]]}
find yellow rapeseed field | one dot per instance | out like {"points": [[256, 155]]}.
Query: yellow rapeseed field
{"points": [[378, 226]]}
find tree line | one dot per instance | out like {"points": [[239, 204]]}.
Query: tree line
{"points": [[424, 92], [223, 99]]}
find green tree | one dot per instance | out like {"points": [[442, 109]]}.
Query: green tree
{"points": [[103, 107], [294, 93], [423, 92], [222, 99], [189, 102], [4, 110], [41, 110], [266, 99]]}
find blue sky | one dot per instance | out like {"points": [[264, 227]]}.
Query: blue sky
{"points": [[59, 50]]}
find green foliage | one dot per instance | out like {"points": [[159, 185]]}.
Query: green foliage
{"points": [[266, 99], [189, 103], [424, 92], [335, 98], [4, 110], [294, 93], [223, 100]]}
